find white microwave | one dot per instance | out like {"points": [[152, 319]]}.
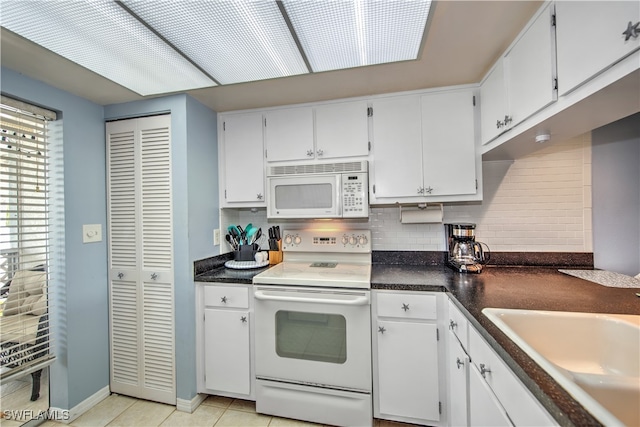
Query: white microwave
{"points": [[327, 190]]}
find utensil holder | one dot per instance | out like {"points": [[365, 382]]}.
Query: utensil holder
{"points": [[246, 252]]}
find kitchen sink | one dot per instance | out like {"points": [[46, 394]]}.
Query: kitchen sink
{"points": [[594, 356]]}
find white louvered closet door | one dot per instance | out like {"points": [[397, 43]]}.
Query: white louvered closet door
{"points": [[141, 258]]}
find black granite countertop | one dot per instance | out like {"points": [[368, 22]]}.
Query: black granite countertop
{"points": [[532, 288], [524, 287]]}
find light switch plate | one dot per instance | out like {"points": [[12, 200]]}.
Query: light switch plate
{"points": [[91, 233], [216, 236]]}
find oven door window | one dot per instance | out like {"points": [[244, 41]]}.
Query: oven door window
{"points": [[311, 336]]}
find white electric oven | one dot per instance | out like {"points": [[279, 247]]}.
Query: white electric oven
{"points": [[313, 329]]}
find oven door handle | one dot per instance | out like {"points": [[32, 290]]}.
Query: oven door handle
{"points": [[357, 300]]}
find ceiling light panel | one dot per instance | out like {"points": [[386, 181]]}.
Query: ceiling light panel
{"points": [[103, 37], [233, 41], [339, 34]]}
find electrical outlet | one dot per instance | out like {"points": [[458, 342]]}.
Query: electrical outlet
{"points": [[216, 236]]}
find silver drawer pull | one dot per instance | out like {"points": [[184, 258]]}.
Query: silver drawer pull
{"points": [[459, 362], [223, 300], [243, 319], [405, 307], [381, 329], [484, 370], [452, 325]]}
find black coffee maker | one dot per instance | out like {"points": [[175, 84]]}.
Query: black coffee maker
{"points": [[464, 253]]}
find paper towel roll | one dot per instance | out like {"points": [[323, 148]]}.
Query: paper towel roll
{"points": [[428, 215]]}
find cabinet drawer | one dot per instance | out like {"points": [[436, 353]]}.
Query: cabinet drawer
{"points": [[523, 408], [459, 325], [407, 306], [226, 296]]}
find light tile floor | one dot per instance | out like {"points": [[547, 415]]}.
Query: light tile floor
{"points": [[117, 410]]}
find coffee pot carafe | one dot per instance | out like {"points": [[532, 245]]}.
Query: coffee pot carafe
{"points": [[465, 254]]}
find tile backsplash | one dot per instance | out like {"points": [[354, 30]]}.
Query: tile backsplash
{"points": [[538, 203]]}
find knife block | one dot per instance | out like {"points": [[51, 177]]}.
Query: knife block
{"points": [[275, 257]]}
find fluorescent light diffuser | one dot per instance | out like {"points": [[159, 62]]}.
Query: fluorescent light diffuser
{"points": [[338, 34], [233, 41], [101, 36]]}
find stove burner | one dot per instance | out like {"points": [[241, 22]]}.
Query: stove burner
{"points": [[324, 264]]}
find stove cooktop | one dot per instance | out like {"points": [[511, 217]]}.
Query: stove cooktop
{"points": [[323, 258], [324, 274]]}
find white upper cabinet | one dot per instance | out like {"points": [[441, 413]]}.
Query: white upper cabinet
{"points": [[591, 36], [326, 131], [522, 82], [530, 69], [493, 103], [289, 134], [415, 140], [342, 130], [242, 160], [448, 134], [397, 142]]}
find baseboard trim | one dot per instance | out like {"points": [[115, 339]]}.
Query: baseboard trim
{"points": [[184, 405], [67, 416]]}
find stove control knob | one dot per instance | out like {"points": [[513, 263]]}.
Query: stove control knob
{"points": [[345, 239], [297, 240], [362, 240], [288, 239], [353, 240]]}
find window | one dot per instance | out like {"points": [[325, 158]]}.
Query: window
{"points": [[24, 239]]}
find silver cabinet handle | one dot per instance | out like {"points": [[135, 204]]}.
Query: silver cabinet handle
{"points": [[309, 153], [428, 190], [154, 276], [223, 300], [381, 329], [259, 196], [459, 362], [499, 124], [484, 370], [120, 275], [452, 325], [631, 31], [507, 120], [243, 319], [319, 153], [405, 307], [420, 190]]}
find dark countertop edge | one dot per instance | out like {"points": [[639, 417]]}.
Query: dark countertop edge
{"points": [[506, 355], [522, 374]]}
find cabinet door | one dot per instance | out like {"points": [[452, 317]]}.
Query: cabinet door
{"points": [[289, 134], [227, 358], [484, 407], [493, 103], [243, 158], [408, 370], [448, 133], [458, 366], [590, 38], [397, 147], [342, 130], [529, 69]]}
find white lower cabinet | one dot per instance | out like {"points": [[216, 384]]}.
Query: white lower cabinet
{"points": [[406, 357], [494, 396], [224, 330]]}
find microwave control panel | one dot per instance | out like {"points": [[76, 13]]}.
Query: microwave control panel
{"points": [[355, 195]]}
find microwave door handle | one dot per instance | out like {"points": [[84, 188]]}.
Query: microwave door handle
{"points": [[339, 195], [358, 300]]}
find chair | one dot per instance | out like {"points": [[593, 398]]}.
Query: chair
{"points": [[24, 323]]}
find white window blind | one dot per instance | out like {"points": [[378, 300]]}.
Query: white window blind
{"points": [[25, 303]]}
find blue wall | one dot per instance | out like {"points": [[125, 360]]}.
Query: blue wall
{"points": [[81, 335], [616, 196]]}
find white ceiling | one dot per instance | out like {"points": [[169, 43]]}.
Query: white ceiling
{"points": [[464, 38]]}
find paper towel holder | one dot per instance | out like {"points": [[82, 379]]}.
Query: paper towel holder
{"points": [[423, 207]]}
